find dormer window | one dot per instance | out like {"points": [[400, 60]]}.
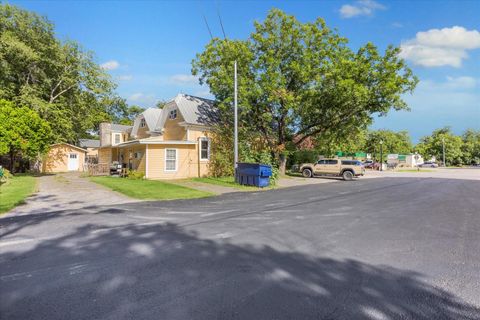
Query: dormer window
{"points": [[143, 123], [173, 114], [117, 138]]}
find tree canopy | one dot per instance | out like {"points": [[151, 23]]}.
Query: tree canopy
{"points": [[22, 131], [432, 146], [298, 80], [57, 79]]}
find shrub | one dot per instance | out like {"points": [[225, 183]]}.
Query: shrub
{"points": [[135, 175], [263, 157]]}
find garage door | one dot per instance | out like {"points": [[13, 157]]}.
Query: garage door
{"points": [[73, 162]]}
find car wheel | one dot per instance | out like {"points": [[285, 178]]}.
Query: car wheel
{"points": [[307, 173], [347, 175]]}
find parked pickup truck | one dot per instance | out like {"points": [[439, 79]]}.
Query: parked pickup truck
{"points": [[347, 169]]}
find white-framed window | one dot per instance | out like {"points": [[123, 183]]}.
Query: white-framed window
{"points": [[204, 148], [137, 155], [143, 123], [171, 159], [73, 156], [173, 114], [117, 138]]}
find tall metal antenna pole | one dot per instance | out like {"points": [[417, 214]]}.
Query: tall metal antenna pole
{"points": [[235, 107]]}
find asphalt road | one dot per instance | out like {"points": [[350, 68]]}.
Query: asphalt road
{"points": [[384, 248]]}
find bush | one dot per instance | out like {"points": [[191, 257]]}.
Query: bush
{"points": [[263, 157], [301, 156], [4, 175], [135, 175]]}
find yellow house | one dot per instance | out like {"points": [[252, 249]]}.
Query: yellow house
{"points": [[63, 157], [168, 143], [91, 146]]}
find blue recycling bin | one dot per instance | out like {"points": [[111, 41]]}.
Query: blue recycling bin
{"points": [[253, 174]]}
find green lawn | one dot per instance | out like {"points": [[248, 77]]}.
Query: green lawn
{"points": [[15, 190], [227, 182], [149, 189]]}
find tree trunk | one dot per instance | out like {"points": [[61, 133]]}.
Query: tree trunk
{"points": [[12, 162], [282, 163]]}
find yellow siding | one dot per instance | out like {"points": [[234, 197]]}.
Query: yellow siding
{"points": [[92, 152], [186, 167], [142, 133], [57, 158], [202, 165], [105, 155], [172, 129]]}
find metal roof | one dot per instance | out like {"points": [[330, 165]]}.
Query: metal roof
{"points": [[88, 143], [120, 127], [195, 110], [151, 116]]}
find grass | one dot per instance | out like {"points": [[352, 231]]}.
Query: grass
{"points": [[149, 189], [15, 190], [227, 182]]}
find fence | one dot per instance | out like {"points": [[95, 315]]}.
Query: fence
{"points": [[97, 169]]}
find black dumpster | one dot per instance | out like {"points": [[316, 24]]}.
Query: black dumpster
{"points": [[253, 174]]}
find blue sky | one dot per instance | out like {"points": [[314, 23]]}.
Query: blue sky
{"points": [[148, 46]]}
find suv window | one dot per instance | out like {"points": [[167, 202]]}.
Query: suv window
{"points": [[351, 162], [332, 161], [321, 161]]}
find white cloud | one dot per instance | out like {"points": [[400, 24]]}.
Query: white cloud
{"points": [[360, 8], [110, 65], [451, 84], [142, 99], [183, 79], [441, 47], [126, 77], [462, 82]]}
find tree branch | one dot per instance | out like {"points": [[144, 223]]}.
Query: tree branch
{"points": [[60, 93]]}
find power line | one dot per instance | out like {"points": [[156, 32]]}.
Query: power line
{"points": [[221, 24], [208, 27]]}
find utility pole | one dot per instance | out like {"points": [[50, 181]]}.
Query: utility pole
{"points": [[443, 147], [235, 140]]}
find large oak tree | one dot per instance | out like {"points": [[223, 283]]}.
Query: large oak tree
{"points": [[57, 79], [299, 80]]}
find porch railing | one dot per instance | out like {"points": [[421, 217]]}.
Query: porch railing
{"points": [[97, 169]]}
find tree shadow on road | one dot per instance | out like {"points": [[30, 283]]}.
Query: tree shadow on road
{"points": [[167, 272]]}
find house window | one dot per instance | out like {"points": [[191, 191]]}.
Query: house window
{"points": [[173, 114], [204, 149], [117, 138], [137, 155], [170, 159], [143, 124], [73, 156]]}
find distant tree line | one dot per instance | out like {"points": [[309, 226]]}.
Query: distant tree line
{"points": [[461, 149]]}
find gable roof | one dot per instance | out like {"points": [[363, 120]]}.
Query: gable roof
{"points": [[120, 127], [69, 145], [88, 143], [195, 110], [151, 116]]}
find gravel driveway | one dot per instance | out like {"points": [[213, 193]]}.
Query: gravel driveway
{"points": [[67, 191]]}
